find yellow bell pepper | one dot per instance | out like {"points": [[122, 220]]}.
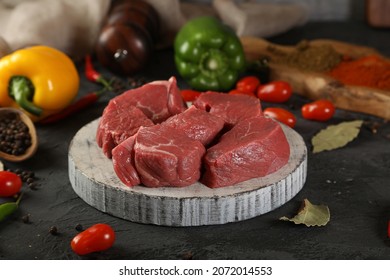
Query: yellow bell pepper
{"points": [[40, 80]]}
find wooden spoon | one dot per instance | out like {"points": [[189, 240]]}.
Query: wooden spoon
{"points": [[34, 139]]}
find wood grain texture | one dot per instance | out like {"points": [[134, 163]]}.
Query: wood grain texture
{"points": [[93, 179]]}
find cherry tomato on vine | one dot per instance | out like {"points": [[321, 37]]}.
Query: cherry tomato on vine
{"points": [[281, 115], [319, 110], [189, 95], [237, 91], [10, 183], [248, 84], [276, 92], [96, 238]]}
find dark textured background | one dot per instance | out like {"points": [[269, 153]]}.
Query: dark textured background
{"points": [[353, 181]]}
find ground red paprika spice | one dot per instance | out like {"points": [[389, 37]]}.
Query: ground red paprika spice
{"points": [[369, 71]]}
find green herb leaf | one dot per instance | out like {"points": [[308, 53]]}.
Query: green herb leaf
{"points": [[310, 215], [8, 208], [336, 136]]}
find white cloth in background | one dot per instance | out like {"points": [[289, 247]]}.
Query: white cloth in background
{"points": [[69, 25]]}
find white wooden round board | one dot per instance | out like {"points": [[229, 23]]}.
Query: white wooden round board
{"points": [[93, 179]]}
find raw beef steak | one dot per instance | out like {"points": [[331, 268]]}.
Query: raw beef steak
{"points": [[123, 162], [253, 148], [158, 100], [232, 108], [164, 156], [118, 122], [196, 124]]}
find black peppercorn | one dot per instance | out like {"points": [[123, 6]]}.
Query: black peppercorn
{"points": [[14, 134], [32, 185], [26, 218], [79, 227], [53, 230]]}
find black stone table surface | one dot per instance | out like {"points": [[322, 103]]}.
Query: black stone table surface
{"points": [[354, 181]]}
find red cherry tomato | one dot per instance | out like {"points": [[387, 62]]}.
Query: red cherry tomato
{"points": [[320, 110], [276, 92], [10, 183], [281, 115], [97, 238], [189, 95], [237, 91], [248, 84]]}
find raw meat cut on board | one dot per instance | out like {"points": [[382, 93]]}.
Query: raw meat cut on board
{"points": [[123, 162], [118, 122], [221, 140], [231, 108], [165, 157], [253, 148], [197, 124], [144, 106], [158, 156], [158, 100]]}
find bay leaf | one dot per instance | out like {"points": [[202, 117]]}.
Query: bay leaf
{"points": [[336, 136], [1, 166], [310, 215]]}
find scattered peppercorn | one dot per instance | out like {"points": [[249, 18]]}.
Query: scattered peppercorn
{"points": [[26, 218], [373, 126], [135, 82], [53, 230], [32, 186], [27, 177], [15, 136], [79, 227], [117, 85]]}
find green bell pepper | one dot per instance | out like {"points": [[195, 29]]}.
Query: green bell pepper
{"points": [[208, 54]]}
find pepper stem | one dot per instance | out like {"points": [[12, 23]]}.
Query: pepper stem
{"points": [[22, 91], [19, 198], [213, 63]]}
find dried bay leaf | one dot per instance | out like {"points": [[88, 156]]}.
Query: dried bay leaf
{"points": [[310, 215], [336, 136], [1, 166]]}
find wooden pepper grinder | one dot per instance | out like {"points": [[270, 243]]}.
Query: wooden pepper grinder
{"points": [[378, 13]]}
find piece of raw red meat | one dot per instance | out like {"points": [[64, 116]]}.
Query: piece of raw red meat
{"points": [[143, 106], [197, 124], [123, 162], [118, 122], [158, 100], [253, 148], [164, 156], [231, 107]]}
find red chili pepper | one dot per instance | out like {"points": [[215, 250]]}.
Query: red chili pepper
{"points": [[320, 110], [75, 107], [93, 75], [281, 115]]}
